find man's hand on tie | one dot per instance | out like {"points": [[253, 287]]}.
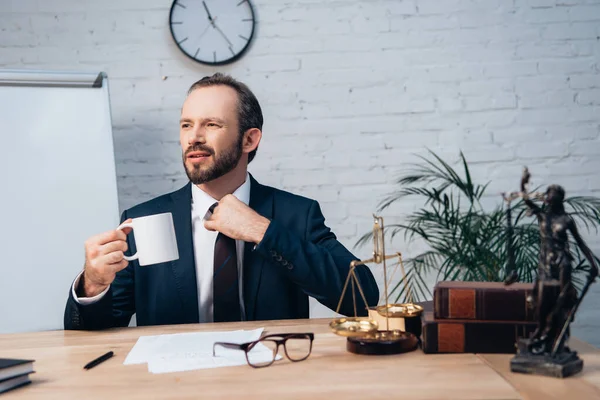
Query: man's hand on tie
{"points": [[235, 219]]}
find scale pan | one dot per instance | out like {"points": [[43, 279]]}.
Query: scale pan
{"points": [[353, 326], [400, 310]]}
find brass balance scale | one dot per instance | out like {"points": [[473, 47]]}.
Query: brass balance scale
{"points": [[364, 334]]}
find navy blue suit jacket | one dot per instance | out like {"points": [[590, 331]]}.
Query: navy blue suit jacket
{"points": [[298, 257]]}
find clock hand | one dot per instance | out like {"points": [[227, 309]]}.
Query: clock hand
{"points": [[210, 18], [222, 34], [206, 29]]}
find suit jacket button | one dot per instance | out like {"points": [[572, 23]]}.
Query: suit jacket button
{"points": [[273, 253], [278, 258], [284, 263], [290, 266]]}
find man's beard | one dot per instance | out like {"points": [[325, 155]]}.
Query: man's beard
{"points": [[222, 165]]}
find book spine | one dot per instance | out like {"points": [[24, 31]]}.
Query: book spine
{"points": [[473, 337], [482, 304]]}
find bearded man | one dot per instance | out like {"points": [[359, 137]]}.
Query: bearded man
{"points": [[272, 246]]}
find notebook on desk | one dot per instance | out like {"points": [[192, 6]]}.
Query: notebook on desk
{"points": [[14, 373]]}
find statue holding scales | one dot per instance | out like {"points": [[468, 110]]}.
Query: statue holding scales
{"points": [[554, 297]]}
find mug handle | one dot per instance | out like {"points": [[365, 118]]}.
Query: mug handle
{"points": [[134, 256]]}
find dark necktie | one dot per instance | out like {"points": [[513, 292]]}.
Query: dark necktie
{"points": [[226, 300]]}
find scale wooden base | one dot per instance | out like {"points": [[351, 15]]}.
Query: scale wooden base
{"points": [[382, 343]]}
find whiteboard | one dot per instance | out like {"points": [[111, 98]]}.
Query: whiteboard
{"points": [[58, 188]]}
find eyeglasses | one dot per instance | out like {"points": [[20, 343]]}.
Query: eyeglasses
{"points": [[263, 352]]}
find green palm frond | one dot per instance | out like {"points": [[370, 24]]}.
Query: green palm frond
{"points": [[584, 209], [444, 175]]}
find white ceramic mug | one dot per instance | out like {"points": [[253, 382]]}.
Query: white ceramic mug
{"points": [[155, 239]]}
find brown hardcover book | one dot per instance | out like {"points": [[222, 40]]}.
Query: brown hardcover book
{"points": [[470, 336], [490, 301]]}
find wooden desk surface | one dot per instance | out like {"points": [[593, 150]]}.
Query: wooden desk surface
{"points": [[331, 372]]}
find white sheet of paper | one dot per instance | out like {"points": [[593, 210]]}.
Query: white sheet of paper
{"points": [[189, 351]]}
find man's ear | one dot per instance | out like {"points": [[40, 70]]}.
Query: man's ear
{"points": [[251, 140]]}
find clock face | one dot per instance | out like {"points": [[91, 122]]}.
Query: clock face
{"points": [[213, 32]]}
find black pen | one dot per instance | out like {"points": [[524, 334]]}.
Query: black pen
{"points": [[98, 360]]}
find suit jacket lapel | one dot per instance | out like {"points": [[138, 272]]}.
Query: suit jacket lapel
{"points": [[261, 201], [185, 268]]}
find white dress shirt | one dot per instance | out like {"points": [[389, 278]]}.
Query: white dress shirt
{"points": [[204, 250]]}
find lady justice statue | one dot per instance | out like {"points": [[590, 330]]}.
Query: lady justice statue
{"points": [[554, 298]]}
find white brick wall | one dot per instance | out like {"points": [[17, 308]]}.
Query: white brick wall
{"points": [[350, 90]]}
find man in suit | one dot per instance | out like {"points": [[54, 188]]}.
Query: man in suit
{"points": [[246, 251]]}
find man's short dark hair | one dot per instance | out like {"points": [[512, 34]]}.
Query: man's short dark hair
{"points": [[249, 111]]}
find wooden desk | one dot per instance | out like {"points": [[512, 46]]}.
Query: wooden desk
{"points": [[330, 372]]}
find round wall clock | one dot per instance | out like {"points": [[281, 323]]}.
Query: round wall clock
{"points": [[213, 32]]}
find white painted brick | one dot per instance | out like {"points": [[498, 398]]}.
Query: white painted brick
{"points": [[534, 51], [399, 105], [463, 138], [486, 119], [541, 84], [357, 142], [585, 13], [584, 114], [390, 158], [571, 31], [16, 6], [265, 63], [362, 24], [92, 5], [550, 99], [487, 86], [308, 27], [537, 117], [497, 101], [434, 7], [455, 73], [147, 169], [371, 191], [589, 97], [585, 147], [573, 165], [490, 153], [424, 23], [544, 15], [303, 177], [518, 135], [301, 161], [576, 66], [339, 60], [359, 175], [447, 104], [513, 69], [576, 132], [415, 139], [543, 150], [584, 81]]}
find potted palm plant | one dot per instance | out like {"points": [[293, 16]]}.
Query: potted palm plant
{"points": [[465, 241]]}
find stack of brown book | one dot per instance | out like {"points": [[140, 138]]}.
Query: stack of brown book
{"points": [[477, 317]]}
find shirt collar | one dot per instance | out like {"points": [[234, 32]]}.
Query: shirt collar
{"points": [[202, 201]]}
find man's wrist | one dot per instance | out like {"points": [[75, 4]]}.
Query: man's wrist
{"points": [[259, 230], [87, 288]]}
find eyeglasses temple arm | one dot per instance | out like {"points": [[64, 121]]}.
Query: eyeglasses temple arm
{"points": [[226, 345]]}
